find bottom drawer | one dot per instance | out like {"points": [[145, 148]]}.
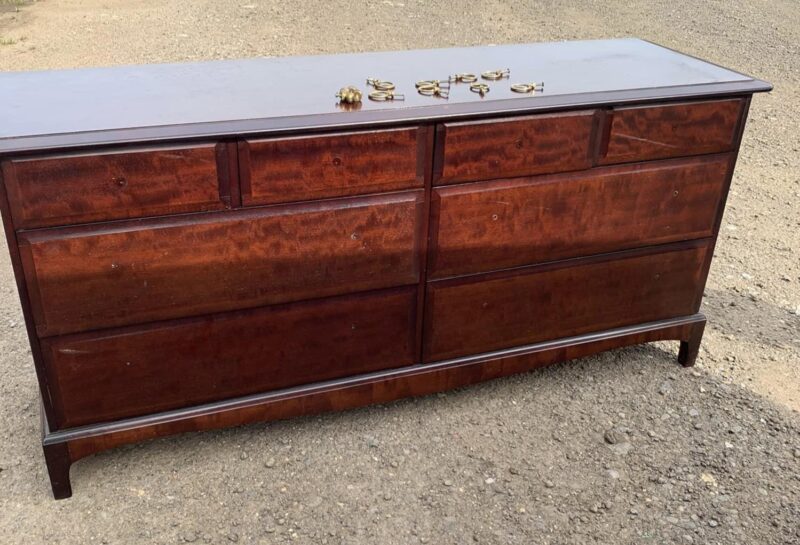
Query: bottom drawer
{"points": [[502, 310], [135, 371]]}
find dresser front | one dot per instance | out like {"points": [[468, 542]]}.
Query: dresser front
{"points": [[161, 277]]}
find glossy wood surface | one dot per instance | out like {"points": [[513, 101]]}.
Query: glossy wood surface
{"points": [[640, 133], [97, 186], [383, 387], [117, 274], [92, 106], [509, 223], [314, 167], [479, 314], [517, 146], [118, 374]]}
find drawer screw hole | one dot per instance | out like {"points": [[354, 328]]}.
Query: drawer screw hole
{"points": [[675, 193], [519, 144], [120, 181], [354, 236], [337, 161], [495, 217]]}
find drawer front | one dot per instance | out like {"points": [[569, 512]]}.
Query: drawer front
{"points": [[639, 133], [306, 168], [94, 277], [69, 189], [518, 146], [508, 223], [106, 376], [542, 303]]}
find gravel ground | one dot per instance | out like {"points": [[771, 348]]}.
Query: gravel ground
{"points": [[625, 447]]}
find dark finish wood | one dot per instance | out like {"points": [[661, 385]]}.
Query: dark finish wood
{"points": [[690, 347], [302, 168], [640, 133], [100, 276], [508, 223], [27, 312], [533, 304], [517, 146], [81, 188], [89, 107], [158, 325], [382, 387], [118, 374], [58, 461]]}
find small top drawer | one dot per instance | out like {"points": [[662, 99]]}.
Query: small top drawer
{"points": [[517, 146], [640, 133], [82, 188], [279, 170]]}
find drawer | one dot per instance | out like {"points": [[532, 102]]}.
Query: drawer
{"points": [[118, 374], [474, 315], [92, 277], [639, 133], [516, 146], [509, 223], [82, 188], [280, 170]]}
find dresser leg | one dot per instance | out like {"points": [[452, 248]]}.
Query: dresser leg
{"points": [[58, 462], [690, 347]]}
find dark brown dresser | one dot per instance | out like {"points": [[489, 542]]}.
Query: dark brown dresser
{"points": [[207, 245]]}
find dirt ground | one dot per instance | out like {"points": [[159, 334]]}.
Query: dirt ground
{"points": [[625, 447]]}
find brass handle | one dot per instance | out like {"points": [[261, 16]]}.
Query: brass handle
{"points": [[527, 87], [480, 88], [493, 75]]}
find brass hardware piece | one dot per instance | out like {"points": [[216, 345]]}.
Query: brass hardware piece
{"points": [[349, 95], [433, 88], [493, 75], [527, 87], [381, 85], [463, 77], [434, 82], [383, 96], [480, 88]]}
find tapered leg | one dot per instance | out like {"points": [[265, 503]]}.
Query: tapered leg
{"points": [[58, 462], [690, 347]]}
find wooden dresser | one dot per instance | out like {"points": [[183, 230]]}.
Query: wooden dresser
{"points": [[206, 245]]}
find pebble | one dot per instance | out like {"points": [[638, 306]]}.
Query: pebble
{"points": [[713, 523], [694, 413], [613, 473], [448, 482], [612, 437], [665, 389], [270, 463], [549, 484], [490, 480], [189, 537]]}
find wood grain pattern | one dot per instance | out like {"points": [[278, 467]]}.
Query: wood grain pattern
{"points": [[639, 133], [381, 387], [87, 187], [508, 223], [479, 314], [516, 146], [118, 374], [303, 168], [102, 276]]}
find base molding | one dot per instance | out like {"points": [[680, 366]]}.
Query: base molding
{"points": [[64, 447]]}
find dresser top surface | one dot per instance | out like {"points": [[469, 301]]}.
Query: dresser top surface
{"points": [[96, 106]]}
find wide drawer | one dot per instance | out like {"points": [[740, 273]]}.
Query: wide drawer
{"points": [[475, 315], [82, 188], [304, 168], [516, 146], [639, 133], [508, 223], [92, 277], [123, 373]]}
